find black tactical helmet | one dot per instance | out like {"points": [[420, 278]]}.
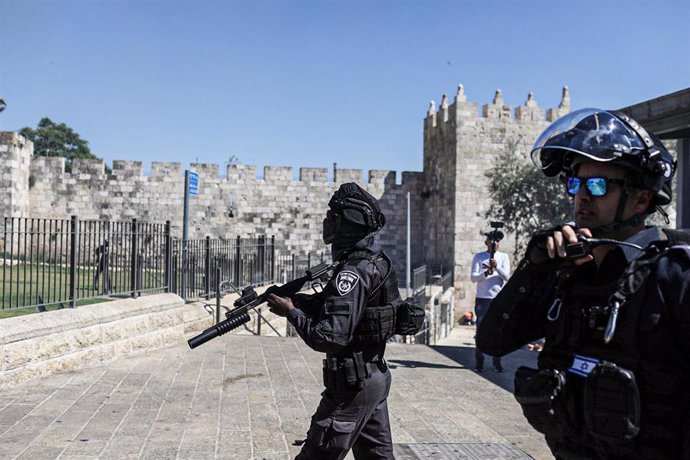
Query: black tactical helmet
{"points": [[606, 136], [354, 212]]}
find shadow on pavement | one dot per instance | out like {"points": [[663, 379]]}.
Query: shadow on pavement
{"points": [[393, 363], [465, 357]]}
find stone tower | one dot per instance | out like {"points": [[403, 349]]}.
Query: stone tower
{"points": [[460, 146], [15, 161]]}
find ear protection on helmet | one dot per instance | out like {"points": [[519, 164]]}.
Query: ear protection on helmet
{"points": [[655, 163], [373, 220]]}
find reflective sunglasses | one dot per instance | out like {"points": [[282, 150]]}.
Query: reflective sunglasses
{"points": [[596, 186]]}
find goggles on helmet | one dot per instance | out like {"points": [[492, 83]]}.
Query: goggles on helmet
{"points": [[595, 186]]}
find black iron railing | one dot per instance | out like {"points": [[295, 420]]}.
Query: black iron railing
{"points": [[62, 261], [242, 262], [65, 262], [290, 266], [419, 280]]}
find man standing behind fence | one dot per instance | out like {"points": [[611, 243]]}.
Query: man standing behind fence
{"points": [[350, 321], [490, 270], [102, 267]]}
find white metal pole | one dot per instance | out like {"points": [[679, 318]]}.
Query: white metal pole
{"points": [[185, 234]]}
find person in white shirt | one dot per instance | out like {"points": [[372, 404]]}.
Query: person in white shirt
{"points": [[490, 270]]}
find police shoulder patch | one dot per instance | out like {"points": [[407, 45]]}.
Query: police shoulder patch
{"points": [[346, 281]]}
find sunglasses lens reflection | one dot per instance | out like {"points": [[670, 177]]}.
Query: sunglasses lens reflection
{"points": [[596, 186], [573, 185]]}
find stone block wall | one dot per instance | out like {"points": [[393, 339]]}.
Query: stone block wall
{"points": [[239, 204]]}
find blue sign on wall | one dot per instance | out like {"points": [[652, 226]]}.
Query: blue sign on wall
{"points": [[193, 185]]}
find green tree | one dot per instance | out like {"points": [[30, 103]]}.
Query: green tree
{"points": [[524, 198], [57, 140]]}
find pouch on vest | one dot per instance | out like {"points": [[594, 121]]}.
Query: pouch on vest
{"points": [[409, 317], [377, 325], [378, 320], [540, 394], [612, 403]]}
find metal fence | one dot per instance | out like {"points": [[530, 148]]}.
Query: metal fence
{"points": [[66, 262], [60, 263], [421, 278], [289, 267], [242, 262], [445, 281]]}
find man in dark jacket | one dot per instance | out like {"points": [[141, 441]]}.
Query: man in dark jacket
{"points": [[610, 295], [353, 412]]}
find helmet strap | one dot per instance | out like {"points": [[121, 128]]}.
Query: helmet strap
{"points": [[621, 203], [618, 223]]}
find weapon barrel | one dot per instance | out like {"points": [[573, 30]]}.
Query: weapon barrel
{"points": [[208, 334], [234, 321]]}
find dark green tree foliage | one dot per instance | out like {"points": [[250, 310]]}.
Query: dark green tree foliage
{"points": [[524, 198], [57, 140]]}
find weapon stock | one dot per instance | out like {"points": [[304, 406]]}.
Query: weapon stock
{"points": [[249, 300]]}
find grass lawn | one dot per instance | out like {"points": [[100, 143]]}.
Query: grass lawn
{"points": [[23, 286], [10, 312]]}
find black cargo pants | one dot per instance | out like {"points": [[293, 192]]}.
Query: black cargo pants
{"points": [[353, 419]]}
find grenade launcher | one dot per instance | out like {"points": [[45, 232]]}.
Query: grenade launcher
{"points": [[249, 299]]}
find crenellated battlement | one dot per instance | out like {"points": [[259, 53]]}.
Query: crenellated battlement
{"points": [[313, 174], [94, 170], [128, 168], [161, 170], [51, 166], [83, 166], [463, 111]]}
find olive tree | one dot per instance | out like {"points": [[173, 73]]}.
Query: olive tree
{"points": [[57, 140], [524, 198]]}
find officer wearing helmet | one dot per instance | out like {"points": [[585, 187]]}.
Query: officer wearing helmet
{"points": [[610, 295], [350, 321]]}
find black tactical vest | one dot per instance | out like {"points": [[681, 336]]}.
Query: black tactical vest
{"points": [[590, 396], [378, 322]]}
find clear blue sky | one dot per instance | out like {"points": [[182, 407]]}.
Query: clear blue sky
{"points": [[310, 83]]}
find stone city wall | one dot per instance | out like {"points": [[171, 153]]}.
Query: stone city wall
{"points": [[239, 204], [448, 199]]}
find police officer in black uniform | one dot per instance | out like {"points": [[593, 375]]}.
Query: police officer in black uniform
{"points": [[350, 321], [610, 295]]}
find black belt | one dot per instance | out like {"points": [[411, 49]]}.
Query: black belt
{"points": [[341, 374]]}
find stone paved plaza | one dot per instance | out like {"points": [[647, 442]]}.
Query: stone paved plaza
{"points": [[247, 397]]}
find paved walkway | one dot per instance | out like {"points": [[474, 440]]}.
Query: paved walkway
{"points": [[246, 397]]}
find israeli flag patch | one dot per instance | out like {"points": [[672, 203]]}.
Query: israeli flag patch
{"points": [[583, 365], [346, 281]]}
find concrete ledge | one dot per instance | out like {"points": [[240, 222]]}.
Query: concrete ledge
{"points": [[64, 340]]}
